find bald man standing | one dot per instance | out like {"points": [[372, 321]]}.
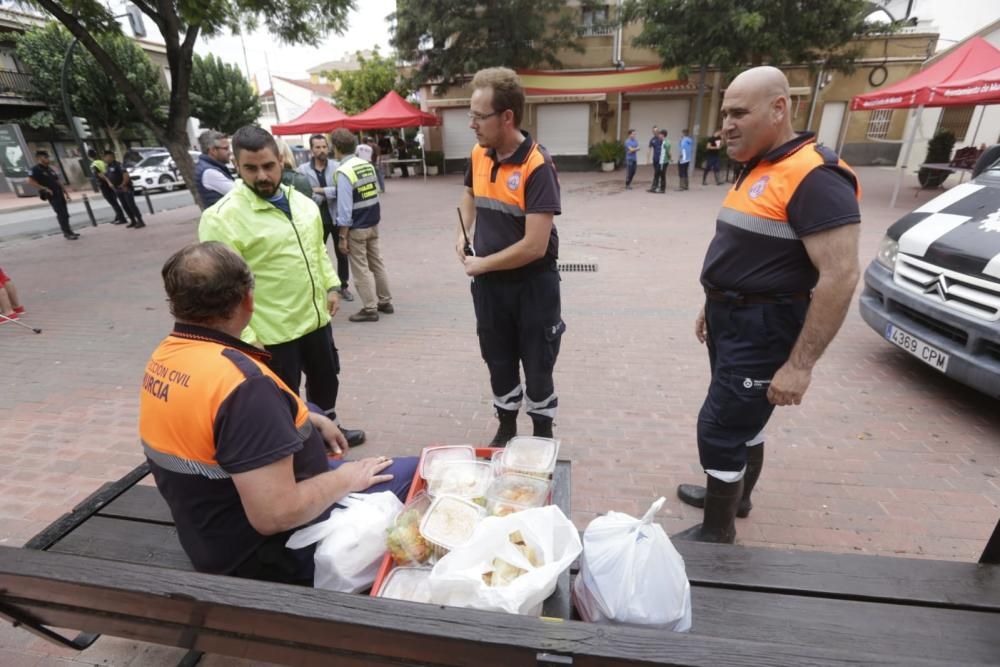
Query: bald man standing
{"points": [[778, 278]]}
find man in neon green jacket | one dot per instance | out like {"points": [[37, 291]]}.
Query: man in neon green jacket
{"points": [[279, 233]]}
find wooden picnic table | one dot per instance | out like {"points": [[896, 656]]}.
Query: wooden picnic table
{"points": [[113, 565]]}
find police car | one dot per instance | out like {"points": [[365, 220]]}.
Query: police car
{"points": [[158, 171], [933, 289]]}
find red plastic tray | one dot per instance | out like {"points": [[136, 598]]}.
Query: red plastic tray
{"points": [[416, 487]]}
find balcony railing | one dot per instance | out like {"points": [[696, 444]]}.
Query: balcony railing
{"points": [[17, 83], [596, 29]]}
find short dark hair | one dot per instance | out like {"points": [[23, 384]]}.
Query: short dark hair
{"points": [[109, 152], [507, 90], [343, 141], [41, 153], [205, 282], [91, 153], [252, 138], [314, 138], [663, 133]]}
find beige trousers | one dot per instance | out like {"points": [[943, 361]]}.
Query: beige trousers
{"points": [[370, 279]]}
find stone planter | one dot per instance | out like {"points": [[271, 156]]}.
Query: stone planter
{"points": [[607, 166]]}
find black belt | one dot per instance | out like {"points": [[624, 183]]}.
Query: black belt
{"points": [[749, 299]]}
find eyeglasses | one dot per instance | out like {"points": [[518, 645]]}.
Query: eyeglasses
{"points": [[480, 117]]}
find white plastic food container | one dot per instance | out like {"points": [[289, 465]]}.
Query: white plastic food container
{"points": [[407, 583], [449, 523], [403, 540], [436, 456], [531, 456], [512, 492], [465, 479]]}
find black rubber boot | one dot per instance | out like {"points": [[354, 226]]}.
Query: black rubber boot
{"points": [[694, 495], [719, 524], [542, 427], [507, 428]]}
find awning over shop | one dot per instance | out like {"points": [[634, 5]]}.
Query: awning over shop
{"points": [[635, 79], [320, 117], [963, 63]]}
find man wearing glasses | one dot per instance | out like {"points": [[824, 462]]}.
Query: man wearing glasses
{"points": [[211, 171], [511, 196]]}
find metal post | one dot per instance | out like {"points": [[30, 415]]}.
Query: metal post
{"points": [[67, 59], [149, 202], [90, 211], [915, 121]]}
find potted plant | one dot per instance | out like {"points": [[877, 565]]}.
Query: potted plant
{"points": [[435, 162], [607, 153], [938, 152]]}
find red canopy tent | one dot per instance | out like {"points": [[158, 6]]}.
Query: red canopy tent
{"points": [[973, 64], [965, 61], [320, 117], [982, 88], [391, 111]]}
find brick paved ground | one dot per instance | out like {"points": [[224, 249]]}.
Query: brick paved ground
{"points": [[884, 457]]}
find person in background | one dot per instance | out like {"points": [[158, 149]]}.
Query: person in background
{"points": [[120, 180], [684, 161], [321, 172], [10, 306], [665, 158], [99, 168], [50, 189], [289, 174], [211, 171], [377, 161], [631, 158], [712, 149]]}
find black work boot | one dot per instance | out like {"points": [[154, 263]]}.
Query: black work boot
{"points": [[694, 495], [719, 524], [542, 427], [507, 428]]}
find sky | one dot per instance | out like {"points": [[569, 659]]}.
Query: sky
{"points": [[366, 28]]}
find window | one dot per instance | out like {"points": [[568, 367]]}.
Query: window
{"points": [[956, 120], [878, 123], [267, 106], [595, 20]]}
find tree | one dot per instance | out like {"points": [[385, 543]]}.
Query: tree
{"points": [[734, 33], [180, 22], [91, 91], [221, 97], [361, 88], [447, 39]]}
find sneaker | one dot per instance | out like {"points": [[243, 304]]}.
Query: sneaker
{"points": [[346, 295], [364, 315], [19, 310], [71, 237], [386, 308], [4, 319]]}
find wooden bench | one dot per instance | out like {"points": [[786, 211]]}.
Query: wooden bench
{"points": [[113, 565]]}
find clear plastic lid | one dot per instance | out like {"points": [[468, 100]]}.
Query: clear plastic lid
{"points": [[465, 479], [407, 583], [496, 463], [403, 539], [450, 522], [512, 492], [532, 456], [435, 456]]}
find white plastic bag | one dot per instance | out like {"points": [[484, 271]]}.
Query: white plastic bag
{"points": [[457, 579], [631, 573], [351, 541]]}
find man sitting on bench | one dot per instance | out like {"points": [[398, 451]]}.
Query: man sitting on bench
{"points": [[238, 457]]}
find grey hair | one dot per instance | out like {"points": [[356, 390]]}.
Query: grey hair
{"points": [[208, 139]]}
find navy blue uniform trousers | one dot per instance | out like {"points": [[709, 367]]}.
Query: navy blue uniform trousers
{"points": [[747, 344]]}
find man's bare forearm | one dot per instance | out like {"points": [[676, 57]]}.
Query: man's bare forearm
{"points": [[827, 311], [311, 498]]}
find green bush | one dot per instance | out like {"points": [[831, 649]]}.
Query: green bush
{"points": [[607, 151], [435, 159]]}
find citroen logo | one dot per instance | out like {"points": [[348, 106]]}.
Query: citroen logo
{"points": [[939, 287]]}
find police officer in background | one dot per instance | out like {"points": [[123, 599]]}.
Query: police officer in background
{"points": [[50, 189], [511, 197], [778, 279], [122, 183]]}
